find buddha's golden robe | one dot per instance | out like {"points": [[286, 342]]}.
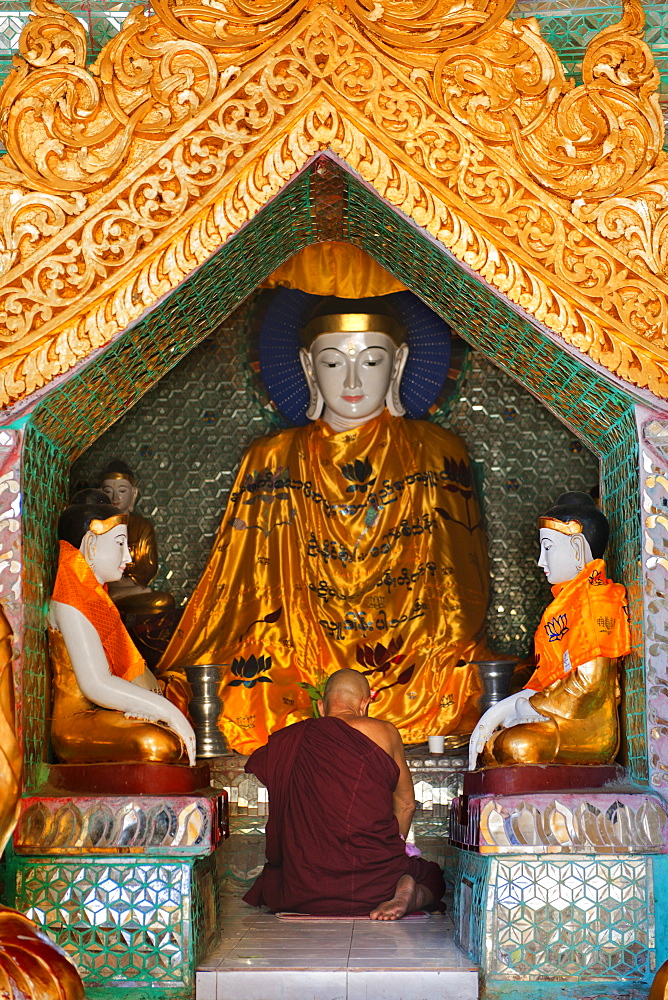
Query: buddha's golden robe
{"points": [[360, 549]]}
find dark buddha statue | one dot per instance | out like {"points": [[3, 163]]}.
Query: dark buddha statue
{"points": [[132, 594]]}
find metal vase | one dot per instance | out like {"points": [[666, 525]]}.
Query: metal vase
{"points": [[205, 708], [496, 676]]}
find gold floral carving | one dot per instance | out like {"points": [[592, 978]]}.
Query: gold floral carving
{"points": [[122, 178], [418, 27]]}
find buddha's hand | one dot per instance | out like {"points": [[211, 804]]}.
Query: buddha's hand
{"points": [[511, 711]]}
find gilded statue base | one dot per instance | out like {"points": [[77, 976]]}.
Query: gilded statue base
{"points": [[125, 884]]}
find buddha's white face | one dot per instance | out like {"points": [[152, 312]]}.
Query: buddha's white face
{"points": [[122, 494], [353, 372], [107, 554], [562, 557]]}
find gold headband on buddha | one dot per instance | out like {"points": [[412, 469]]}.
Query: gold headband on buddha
{"points": [[127, 476], [352, 323], [563, 527], [101, 527]]}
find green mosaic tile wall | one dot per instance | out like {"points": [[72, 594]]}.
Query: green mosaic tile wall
{"points": [[121, 922]]}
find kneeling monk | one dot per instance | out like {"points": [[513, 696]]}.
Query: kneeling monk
{"points": [[340, 805]]}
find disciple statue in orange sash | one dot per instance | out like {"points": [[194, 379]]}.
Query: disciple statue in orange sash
{"points": [[107, 706], [353, 541], [567, 713]]}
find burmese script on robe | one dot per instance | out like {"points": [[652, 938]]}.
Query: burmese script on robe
{"points": [[361, 548], [333, 844]]}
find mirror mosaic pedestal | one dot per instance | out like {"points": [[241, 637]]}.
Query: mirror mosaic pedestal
{"points": [[126, 885], [558, 893]]}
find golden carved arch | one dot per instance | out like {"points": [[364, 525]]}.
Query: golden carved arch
{"points": [[123, 177]]}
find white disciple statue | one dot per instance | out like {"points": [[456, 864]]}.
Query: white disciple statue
{"points": [[354, 540], [567, 713], [107, 706]]}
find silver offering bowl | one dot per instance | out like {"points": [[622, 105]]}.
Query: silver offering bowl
{"points": [[496, 676], [205, 707]]}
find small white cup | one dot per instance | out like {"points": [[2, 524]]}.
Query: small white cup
{"points": [[436, 744]]}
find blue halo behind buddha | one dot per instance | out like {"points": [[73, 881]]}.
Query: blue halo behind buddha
{"points": [[427, 336]]}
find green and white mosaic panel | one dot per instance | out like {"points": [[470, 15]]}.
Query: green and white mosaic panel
{"points": [[122, 923], [584, 918]]}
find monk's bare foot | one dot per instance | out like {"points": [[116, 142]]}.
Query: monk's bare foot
{"points": [[405, 900]]}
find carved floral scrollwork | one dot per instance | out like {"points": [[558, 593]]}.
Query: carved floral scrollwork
{"points": [[68, 129], [246, 28], [123, 177], [590, 141]]}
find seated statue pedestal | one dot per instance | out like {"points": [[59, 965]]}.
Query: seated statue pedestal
{"points": [[561, 871], [143, 778], [124, 880], [526, 778]]}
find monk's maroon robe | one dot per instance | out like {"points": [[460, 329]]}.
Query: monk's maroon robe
{"points": [[333, 844]]}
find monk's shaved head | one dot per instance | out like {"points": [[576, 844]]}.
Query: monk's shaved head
{"points": [[345, 687]]}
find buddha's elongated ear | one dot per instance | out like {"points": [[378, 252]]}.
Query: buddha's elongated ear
{"points": [[316, 402], [393, 399], [583, 553]]}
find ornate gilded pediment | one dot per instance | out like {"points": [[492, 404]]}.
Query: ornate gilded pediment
{"points": [[122, 177]]}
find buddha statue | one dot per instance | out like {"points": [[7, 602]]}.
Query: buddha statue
{"points": [[132, 594], [353, 541], [567, 713], [107, 707]]}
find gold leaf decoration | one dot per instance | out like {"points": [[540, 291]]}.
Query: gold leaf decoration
{"points": [[122, 178], [421, 26]]}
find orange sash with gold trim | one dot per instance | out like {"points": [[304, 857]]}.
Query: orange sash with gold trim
{"points": [[77, 587], [587, 618]]}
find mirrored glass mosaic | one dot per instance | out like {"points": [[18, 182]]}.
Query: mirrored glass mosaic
{"points": [[585, 918], [120, 923]]}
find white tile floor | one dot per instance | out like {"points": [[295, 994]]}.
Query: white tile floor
{"points": [[262, 958]]}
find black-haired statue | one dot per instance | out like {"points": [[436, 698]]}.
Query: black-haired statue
{"points": [[107, 706], [567, 713]]}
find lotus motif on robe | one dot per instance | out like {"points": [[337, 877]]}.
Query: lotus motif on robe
{"points": [[246, 670], [557, 627], [380, 659], [459, 477], [359, 473]]}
